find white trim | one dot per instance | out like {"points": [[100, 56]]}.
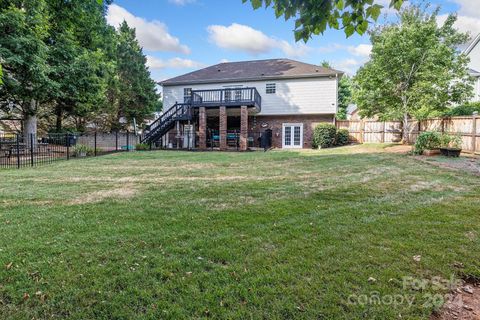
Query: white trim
{"points": [[472, 45], [291, 125]]}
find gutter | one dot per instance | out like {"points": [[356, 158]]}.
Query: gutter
{"points": [[222, 81]]}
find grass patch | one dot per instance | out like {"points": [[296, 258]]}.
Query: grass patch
{"points": [[233, 235]]}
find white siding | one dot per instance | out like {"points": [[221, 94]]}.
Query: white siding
{"points": [[293, 96], [474, 64], [476, 90], [474, 56]]}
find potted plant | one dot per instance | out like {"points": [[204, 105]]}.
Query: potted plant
{"points": [[451, 145], [428, 143], [142, 147]]}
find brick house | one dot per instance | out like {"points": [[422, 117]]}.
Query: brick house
{"points": [[242, 105]]}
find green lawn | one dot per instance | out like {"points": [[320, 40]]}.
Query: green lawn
{"points": [[169, 235]]}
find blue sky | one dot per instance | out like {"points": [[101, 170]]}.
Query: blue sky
{"points": [[180, 36]]}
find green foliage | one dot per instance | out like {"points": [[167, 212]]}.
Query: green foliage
{"points": [[136, 96], [61, 61], [23, 32], [82, 149], [345, 86], [433, 140], [450, 141], [415, 68], [312, 17], [427, 141], [142, 147], [324, 135], [342, 137], [466, 109]]}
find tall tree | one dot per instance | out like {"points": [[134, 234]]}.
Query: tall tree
{"points": [[314, 16], [136, 98], [76, 58], [415, 68], [23, 31]]}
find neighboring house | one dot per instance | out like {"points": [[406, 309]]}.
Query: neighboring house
{"points": [[473, 52], [234, 105], [353, 112]]}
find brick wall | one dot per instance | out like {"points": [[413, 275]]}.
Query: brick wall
{"points": [[275, 123]]}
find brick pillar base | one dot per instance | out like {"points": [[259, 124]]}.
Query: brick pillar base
{"points": [[243, 128], [223, 128], [202, 129]]}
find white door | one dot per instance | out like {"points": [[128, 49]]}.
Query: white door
{"points": [[292, 135]]}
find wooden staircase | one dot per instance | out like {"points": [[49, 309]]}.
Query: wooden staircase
{"points": [[161, 126]]}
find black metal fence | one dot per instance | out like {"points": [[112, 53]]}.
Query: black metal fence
{"points": [[17, 151]]}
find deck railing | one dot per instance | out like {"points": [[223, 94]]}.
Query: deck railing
{"points": [[226, 97]]}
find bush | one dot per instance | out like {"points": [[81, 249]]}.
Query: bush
{"points": [[342, 137], [427, 141], [450, 141], [142, 147], [80, 149], [324, 135], [463, 110]]}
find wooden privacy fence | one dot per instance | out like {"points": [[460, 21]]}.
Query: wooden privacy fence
{"points": [[366, 131]]}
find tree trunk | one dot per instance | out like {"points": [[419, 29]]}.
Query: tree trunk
{"points": [[405, 130], [58, 122], [30, 122]]}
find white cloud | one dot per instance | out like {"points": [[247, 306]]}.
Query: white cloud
{"points": [[181, 2], [349, 65], [470, 25], [362, 50], [468, 19], [152, 35], [179, 63], [468, 7], [243, 38]]}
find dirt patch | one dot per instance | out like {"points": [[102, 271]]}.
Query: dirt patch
{"points": [[123, 193], [464, 163], [463, 304], [402, 149]]}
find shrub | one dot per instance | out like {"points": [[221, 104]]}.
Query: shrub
{"points": [[80, 149], [324, 135], [342, 137], [450, 141], [142, 147], [463, 110], [427, 141]]}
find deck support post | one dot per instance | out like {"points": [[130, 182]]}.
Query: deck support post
{"points": [[223, 128], [202, 129], [243, 128]]}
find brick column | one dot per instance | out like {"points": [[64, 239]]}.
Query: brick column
{"points": [[223, 128], [202, 129], [243, 128]]}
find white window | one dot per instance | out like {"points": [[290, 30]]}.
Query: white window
{"points": [[292, 135], [187, 94], [271, 88]]}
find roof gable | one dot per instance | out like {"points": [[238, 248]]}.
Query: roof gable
{"points": [[252, 71]]}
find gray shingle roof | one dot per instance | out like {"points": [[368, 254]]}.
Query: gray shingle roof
{"points": [[252, 71]]}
